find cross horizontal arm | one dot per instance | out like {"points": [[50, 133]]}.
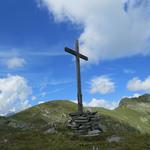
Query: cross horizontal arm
{"points": [[75, 53]]}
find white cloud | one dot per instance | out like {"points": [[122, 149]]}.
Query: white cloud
{"points": [[14, 94], [102, 85], [15, 62], [100, 103], [40, 102], [109, 31], [135, 95], [137, 84]]}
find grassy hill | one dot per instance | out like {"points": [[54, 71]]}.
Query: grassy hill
{"points": [[132, 114], [132, 111], [46, 114], [131, 121], [52, 113]]}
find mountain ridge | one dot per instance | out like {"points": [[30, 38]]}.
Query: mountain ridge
{"points": [[44, 126], [140, 99], [132, 114]]}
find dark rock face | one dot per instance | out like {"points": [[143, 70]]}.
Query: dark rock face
{"points": [[86, 123]]}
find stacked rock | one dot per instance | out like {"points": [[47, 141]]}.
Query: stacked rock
{"points": [[86, 123]]}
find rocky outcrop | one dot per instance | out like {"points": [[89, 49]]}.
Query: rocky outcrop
{"points": [[86, 123]]}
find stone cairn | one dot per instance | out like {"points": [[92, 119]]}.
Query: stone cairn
{"points": [[84, 124]]}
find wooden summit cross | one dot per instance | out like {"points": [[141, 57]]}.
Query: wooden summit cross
{"points": [[79, 121], [78, 56]]}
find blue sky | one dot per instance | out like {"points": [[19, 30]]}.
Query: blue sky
{"points": [[33, 34]]}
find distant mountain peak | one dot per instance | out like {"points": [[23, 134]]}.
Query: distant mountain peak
{"points": [[131, 101]]}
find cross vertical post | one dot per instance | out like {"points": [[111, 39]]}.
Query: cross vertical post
{"points": [[79, 94], [78, 57]]}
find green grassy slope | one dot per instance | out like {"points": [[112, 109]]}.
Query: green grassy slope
{"points": [[31, 124], [46, 114], [27, 140], [131, 114], [52, 108], [133, 111], [56, 113]]}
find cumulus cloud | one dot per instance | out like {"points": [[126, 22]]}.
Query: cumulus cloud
{"points": [[100, 103], [14, 94], [40, 102], [135, 95], [15, 62], [111, 29], [102, 85], [137, 84]]}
